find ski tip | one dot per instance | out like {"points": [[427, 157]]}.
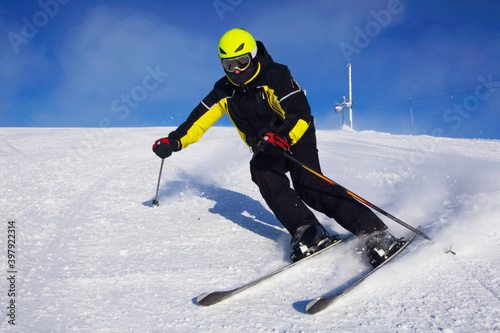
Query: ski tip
{"points": [[213, 297], [320, 303], [203, 298], [310, 307]]}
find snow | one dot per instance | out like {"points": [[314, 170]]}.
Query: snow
{"points": [[93, 255]]}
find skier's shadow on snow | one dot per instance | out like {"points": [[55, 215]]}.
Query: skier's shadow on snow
{"points": [[234, 206]]}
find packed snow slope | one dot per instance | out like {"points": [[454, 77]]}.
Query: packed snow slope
{"points": [[93, 255]]}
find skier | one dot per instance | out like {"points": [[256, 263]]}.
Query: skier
{"points": [[273, 117]]}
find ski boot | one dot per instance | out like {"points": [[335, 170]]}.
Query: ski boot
{"points": [[309, 239], [380, 245]]}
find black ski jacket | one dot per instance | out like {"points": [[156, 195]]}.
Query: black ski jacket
{"points": [[269, 102]]}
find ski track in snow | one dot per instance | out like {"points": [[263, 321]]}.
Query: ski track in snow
{"points": [[93, 255]]}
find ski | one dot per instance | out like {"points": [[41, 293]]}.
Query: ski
{"points": [[215, 297], [321, 303]]}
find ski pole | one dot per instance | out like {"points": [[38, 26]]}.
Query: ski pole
{"points": [[155, 200], [357, 197]]}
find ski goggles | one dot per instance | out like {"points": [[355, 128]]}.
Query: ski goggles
{"points": [[241, 63]]}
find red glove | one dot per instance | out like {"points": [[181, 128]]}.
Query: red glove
{"points": [[273, 144], [162, 148]]}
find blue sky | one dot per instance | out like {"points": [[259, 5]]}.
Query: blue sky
{"points": [[149, 63]]}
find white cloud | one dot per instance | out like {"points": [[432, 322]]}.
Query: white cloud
{"points": [[21, 74], [111, 55]]}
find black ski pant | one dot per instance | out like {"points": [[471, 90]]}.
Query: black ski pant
{"points": [[289, 205]]}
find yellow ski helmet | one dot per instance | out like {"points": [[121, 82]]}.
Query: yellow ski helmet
{"points": [[237, 42]]}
